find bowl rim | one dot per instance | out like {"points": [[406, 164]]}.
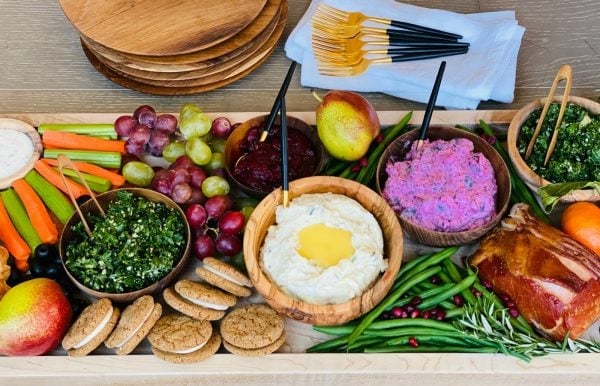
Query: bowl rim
{"points": [[293, 122], [315, 313], [533, 180], [36, 141], [471, 234], [154, 287]]}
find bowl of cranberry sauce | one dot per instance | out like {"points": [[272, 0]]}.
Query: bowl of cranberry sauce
{"points": [[255, 166]]}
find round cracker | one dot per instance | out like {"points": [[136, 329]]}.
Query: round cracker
{"points": [[192, 310], [224, 284], [99, 338], [87, 322], [208, 350], [195, 291], [252, 326], [144, 330], [177, 332], [268, 349], [227, 270], [132, 317]]}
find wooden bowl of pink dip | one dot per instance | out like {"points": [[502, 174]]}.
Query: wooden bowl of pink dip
{"points": [[451, 192]]}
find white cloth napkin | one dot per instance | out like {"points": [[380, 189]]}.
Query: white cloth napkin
{"points": [[486, 72]]}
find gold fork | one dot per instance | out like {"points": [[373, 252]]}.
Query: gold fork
{"points": [[326, 12], [357, 68]]}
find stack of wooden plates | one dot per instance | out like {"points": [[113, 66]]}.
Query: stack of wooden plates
{"points": [[177, 47]]}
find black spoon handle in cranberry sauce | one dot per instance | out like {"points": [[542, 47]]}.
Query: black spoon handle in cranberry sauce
{"points": [[276, 106], [284, 153]]}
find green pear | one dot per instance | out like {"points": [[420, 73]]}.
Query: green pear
{"points": [[347, 124]]}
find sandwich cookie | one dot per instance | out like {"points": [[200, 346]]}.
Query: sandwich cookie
{"points": [[224, 276], [252, 330], [136, 322], [198, 300], [91, 328], [178, 338]]}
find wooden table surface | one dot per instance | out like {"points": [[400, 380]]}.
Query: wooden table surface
{"points": [[43, 70]]}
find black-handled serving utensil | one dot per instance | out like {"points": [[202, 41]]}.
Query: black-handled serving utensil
{"points": [[431, 105], [277, 105]]}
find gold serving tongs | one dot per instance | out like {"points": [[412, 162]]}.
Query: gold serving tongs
{"points": [[564, 73], [63, 162]]}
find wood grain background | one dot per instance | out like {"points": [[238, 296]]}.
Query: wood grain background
{"points": [[43, 69]]}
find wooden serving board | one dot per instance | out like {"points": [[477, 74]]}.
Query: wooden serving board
{"points": [[291, 365], [156, 28]]}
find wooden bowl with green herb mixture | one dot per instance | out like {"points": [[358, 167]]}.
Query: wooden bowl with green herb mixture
{"points": [[139, 247], [576, 158]]}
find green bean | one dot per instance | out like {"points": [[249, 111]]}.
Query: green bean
{"points": [[431, 261], [411, 322], [328, 345], [335, 330], [453, 272], [435, 339], [366, 174], [361, 343], [408, 265], [457, 288], [430, 349], [412, 331], [336, 168], [389, 300], [453, 313]]}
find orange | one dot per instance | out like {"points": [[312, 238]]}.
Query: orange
{"points": [[581, 221]]}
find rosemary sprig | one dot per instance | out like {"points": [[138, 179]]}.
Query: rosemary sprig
{"points": [[484, 320]]}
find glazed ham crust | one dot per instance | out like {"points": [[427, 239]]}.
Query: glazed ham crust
{"points": [[553, 280]]}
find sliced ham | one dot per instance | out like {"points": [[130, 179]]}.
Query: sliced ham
{"points": [[553, 280]]}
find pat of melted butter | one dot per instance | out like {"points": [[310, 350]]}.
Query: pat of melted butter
{"points": [[325, 246]]}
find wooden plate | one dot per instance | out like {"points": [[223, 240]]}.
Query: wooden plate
{"points": [[161, 90], [31, 132], [223, 51], [210, 67], [155, 28]]}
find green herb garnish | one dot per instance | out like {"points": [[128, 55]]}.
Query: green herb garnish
{"points": [[576, 156], [137, 243]]}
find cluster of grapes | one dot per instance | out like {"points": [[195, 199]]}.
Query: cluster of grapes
{"points": [[217, 226], [146, 131], [46, 262]]}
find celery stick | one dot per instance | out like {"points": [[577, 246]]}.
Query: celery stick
{"points": [[93, 129], [58, 203], [105, 159], [97, 184]]}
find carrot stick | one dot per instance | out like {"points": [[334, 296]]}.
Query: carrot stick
{"points": [[66, 140], [115, 179], [37, 212], [55, 179], [13, 240]]}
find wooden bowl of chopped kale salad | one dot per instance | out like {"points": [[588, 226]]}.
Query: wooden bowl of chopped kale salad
{"points": [[139, 246], [573, 171]]}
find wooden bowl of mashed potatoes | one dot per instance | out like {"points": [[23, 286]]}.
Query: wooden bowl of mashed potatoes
{"points": [[331, 306]]}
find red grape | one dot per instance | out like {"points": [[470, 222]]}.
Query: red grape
{"points": [[158, 141], [228, 245], [140, 134], [204, 246], [166, 123], [217, 205], [145, 115], [197, 196], [133, 148], [181, 193], [159, 172], [182, 162], [197, 176], [221, 127], [219, 172], [231, 222], [178, 176], [196, 215], [161, 185], [124, 124]]}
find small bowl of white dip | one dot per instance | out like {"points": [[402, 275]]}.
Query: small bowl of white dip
{"points": [[330, 256], [20, 147]]}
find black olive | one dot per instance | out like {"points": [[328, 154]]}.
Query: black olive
{"points": [[77, 305], [37, 267], [47, 253], [14, 278], [53, 270], [66, 284]]}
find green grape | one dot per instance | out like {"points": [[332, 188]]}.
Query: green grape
{"points": [[238, 262], [247, 211], [138, 173], [216, 161], [198, 151], [215, 186], [196, 125], [217, 145], [246, 201], [208, 137], [187, 110], [173, 151]]}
